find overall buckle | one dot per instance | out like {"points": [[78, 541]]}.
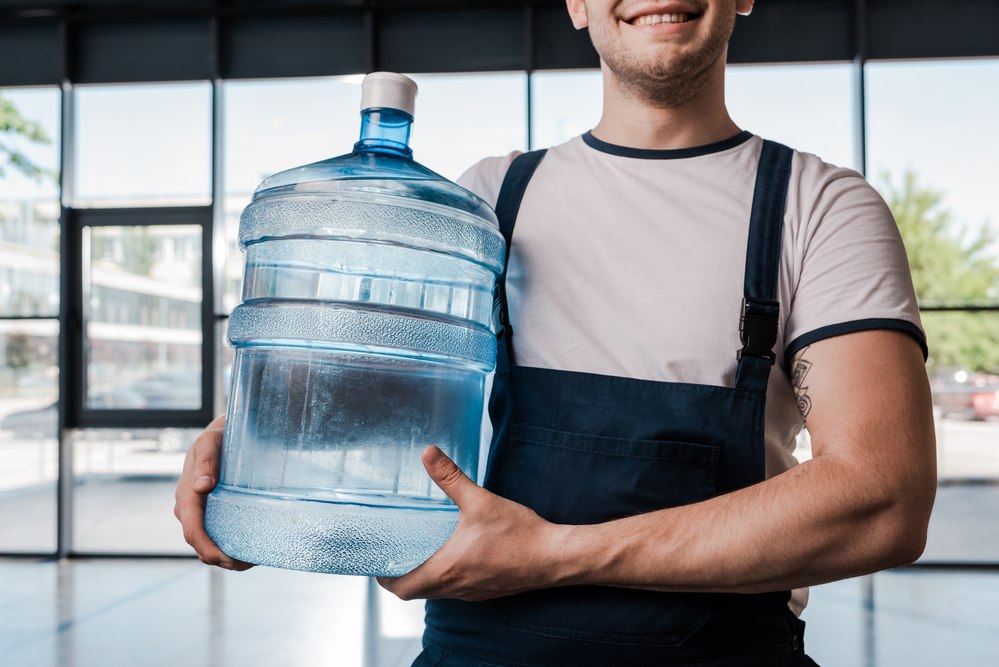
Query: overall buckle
{"points": [[758, 328]]}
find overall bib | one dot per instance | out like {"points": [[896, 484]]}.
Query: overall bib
{"points": [[581, 448]]}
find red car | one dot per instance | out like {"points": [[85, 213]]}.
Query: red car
{"points": [[970, 400]]}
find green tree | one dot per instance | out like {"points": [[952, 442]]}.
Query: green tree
{"points": [[139, 250], [12, 126], [951, 265], [18, 352]]}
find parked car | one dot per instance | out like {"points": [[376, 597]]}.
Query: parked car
{"points": [[169, 391], [976, 400], [165, 391], [37, 424], [41, 423]]}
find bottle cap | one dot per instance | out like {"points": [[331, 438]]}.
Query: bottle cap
{"points": [[388, 90]]}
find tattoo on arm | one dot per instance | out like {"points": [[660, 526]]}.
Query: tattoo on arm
{"points": [[799, 371]]}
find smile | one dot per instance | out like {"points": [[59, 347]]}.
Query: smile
{"points": [[655, 19]]}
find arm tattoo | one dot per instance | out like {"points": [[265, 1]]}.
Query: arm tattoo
{"points": [[799, 370]]}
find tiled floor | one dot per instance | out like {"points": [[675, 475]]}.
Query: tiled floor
{"points": [[171, 613]]}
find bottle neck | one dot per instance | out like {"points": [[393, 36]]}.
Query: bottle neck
{"points": [[385, 131]]}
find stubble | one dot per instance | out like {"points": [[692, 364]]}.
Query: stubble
{"points": [[674, 78]]}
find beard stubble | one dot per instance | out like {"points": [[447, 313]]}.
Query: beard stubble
{"points": [[669, 81]]}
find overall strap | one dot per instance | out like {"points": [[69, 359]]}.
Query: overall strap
{"points": [[760, 309], [507, 206]]}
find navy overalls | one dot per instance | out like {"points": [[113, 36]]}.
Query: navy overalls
{"points": [[581, 448]]}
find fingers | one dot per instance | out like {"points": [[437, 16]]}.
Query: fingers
{"points": [[449, 477], [207, 454], [198, 478], [202, 462]]}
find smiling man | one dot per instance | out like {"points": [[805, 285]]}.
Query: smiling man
{"points": [[685, 297]]}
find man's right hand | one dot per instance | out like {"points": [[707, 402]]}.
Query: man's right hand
{"points": [[198, 478]]}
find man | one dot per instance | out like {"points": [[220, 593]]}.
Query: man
{"points": [[681, 297]]}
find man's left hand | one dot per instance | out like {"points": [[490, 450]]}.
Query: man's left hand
{"points": [[499, 547]]}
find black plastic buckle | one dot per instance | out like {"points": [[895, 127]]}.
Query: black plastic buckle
{"points": [[758, 328], [501, 320], [498, 315]]}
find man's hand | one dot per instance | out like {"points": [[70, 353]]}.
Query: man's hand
{"points": [[198, 478], [499, 547]]}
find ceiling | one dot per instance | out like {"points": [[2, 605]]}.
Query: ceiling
{"points": [[105, 41]]}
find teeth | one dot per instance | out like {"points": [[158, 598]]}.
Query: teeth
{"points": [[654, 19]]}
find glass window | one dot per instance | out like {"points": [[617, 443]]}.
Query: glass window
{"points": [[143, 145], [933, 150], [964, 378], [224, 356], [275, 125], [462, 118], [123, 492], [29, 390], [807, 107], [29, 202], [142, 308], [564, 104]]}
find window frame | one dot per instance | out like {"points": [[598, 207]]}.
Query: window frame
{"points": [[78, 413]]}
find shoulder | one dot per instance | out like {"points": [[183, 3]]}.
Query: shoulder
{"points": [[826, 202], [819, 189], [845, 260], [485, 177]]}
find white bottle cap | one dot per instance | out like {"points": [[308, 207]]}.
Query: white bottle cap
{"points": [[388, 90]]}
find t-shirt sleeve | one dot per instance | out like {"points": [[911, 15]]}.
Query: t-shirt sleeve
{"points": [[849, 270], [485, 177]]}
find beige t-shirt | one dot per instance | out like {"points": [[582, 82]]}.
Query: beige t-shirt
{"points": [[631, 262]]}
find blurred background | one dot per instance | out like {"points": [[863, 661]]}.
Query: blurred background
{"points": [[132, 134]]}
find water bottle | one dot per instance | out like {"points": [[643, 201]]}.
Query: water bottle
{"points": [[363, 335]]}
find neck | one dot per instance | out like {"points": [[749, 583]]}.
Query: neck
{"points": [[628, 120]]}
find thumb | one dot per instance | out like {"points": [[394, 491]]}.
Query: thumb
{"points": [[448, 476]]}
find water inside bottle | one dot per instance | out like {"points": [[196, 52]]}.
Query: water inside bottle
{"points": [[345, 426], [328, 454]]}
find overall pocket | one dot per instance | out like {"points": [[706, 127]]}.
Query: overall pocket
{"points": [[576, 478]]}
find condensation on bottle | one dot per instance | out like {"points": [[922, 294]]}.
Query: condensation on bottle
{"points": [[364, 335]]}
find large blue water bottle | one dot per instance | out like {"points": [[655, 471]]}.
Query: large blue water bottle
{"points": [[362, 337]]}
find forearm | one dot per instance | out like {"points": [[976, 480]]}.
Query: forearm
{"points": [[754, 540]]}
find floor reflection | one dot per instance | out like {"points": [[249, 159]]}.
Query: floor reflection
{"points": [[163, 613]]}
